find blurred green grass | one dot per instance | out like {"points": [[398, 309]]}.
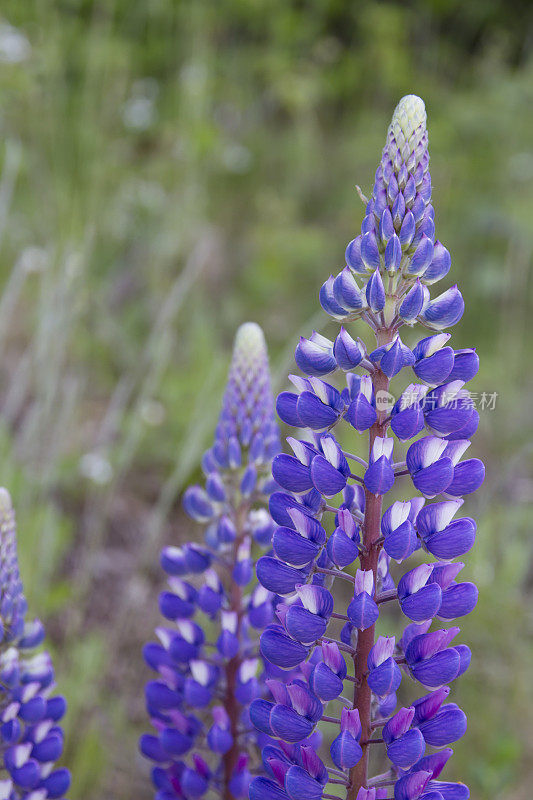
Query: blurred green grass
{"points": [[170, 169]]}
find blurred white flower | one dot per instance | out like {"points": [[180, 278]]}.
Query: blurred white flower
{"points": [[194, 77], [96, 468], [139, 111], [14, 45], [152, 412], [521, 166], [236, 158], [33, 259]]}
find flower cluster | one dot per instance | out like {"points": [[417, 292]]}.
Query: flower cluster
{"points": [[30, 734], [203, 740], [414, 445]]}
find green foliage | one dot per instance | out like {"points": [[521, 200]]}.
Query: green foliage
{"points": [[171, 169]]}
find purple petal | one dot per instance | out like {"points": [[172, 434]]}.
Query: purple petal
{"points": [[412, 303], [348, 352], [353, 256], [346, 291], [290, 473], [458, 600], [370, 251], [467, 477], [426, 707], [289, 725], [325, 683], [326, 479], [447, 726], [328, 300], [363, 611], [440, 264], [375, 291], [435, 369], [313, 413], [379, 477], [276, 576], [445, 311], [304, 626], [424, 604], [360, 413], [294, 549], [411, 786], [277, 647], [422, 257], [301, 786], [438, 670], [407, 750], [286, 406], [341, 549], [455, 540], [451, 791], [434, 479], [465, 365], [385, 678], [313, 358], [345, 751], [265, 789]]}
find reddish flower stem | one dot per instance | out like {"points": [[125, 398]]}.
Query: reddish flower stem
{"points": [[369, 561], [232, 666]]}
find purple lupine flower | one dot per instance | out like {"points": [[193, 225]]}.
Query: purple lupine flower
{"points": [[30, 712], [199, 699], [337, 524]]}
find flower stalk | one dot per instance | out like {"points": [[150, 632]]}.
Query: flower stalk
{"points": [[31, 738], [203, 741], [415, 445], [371, 532]]}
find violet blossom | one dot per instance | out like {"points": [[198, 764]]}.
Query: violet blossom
{"points": [[207, 660], [336, 524], [30, 732]]}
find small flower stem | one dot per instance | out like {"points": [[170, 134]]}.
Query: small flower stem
{"points": [[378, 723], [336, 772], [335, 721], [384, 597], [337, 573], [344, 700], [340, 645], [351, 679], [385, 776], [356, 458], [369, 561]]}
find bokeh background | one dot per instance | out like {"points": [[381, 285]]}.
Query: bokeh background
{"points": [[170, 169]]}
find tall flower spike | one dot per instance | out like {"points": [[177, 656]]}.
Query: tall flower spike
{"points": [[418, 448], [31, 736], [200, 696]]}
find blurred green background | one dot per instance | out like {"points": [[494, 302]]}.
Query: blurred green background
{"points": [[170, 169]]}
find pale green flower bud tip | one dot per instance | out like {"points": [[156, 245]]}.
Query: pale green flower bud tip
{"points": [[5, 501], [250, 339], [409, 116]]}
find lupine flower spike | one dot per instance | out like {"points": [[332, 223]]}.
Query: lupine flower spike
{"points": [[30, 713], [207, 658], [352, 678]]}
